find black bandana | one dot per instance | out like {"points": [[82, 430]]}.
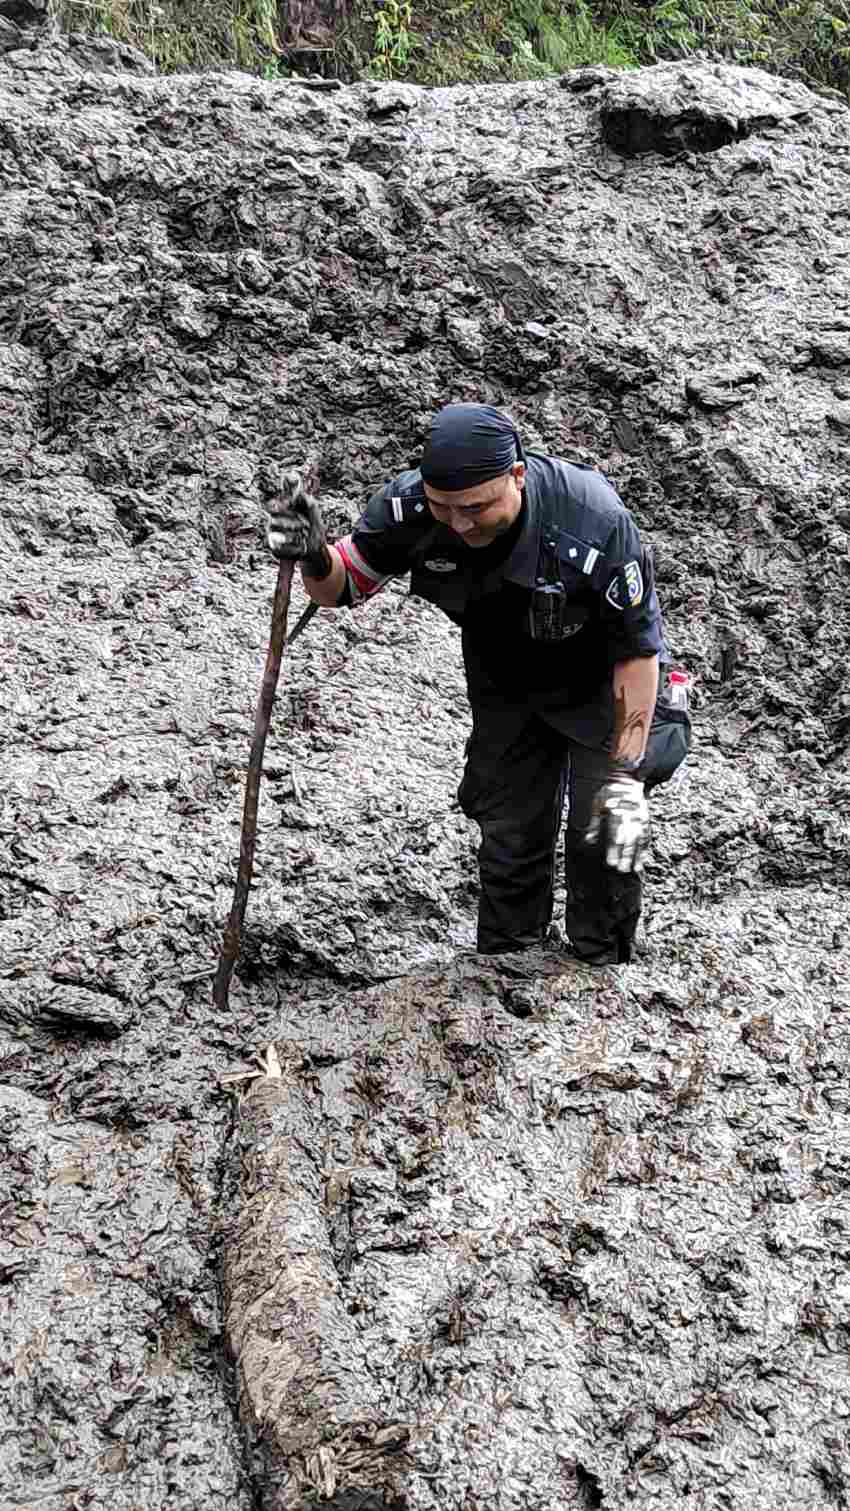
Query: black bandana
{"points": [[469, 444]]}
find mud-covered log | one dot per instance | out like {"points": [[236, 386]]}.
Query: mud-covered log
{"points": [[309, 1407]]}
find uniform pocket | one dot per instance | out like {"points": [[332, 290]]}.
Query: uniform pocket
{"points": [[668, 744], [447, 590]]}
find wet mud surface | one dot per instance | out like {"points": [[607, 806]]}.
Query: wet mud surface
{"points": [[409, 1227]]}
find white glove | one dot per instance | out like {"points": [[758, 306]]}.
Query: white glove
{"points": [[620, 822]]}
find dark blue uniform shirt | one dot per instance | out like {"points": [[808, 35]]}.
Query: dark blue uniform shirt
{"points": [[573, 529]]}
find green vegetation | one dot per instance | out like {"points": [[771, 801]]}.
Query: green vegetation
{"points": [[449, 41], [394, 43], [179, 35]]}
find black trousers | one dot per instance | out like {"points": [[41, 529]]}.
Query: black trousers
{"points": [[521, 766], [515, 791]]}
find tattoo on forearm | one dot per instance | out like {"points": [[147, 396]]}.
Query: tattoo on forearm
{"points": [[630, 729]]}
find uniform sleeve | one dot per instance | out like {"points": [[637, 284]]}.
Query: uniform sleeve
{"points": [[630, 611], [378, 547]]}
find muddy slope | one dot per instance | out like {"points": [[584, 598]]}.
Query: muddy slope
{"points": [[474, 1237]]}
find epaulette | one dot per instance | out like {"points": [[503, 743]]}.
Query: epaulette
{"points": [[408, 505]]}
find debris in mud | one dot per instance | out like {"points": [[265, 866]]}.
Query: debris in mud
{"points": [[547, 1237]]}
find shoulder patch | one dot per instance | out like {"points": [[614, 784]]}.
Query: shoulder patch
{"points": [[634, 583], [625, 589]]}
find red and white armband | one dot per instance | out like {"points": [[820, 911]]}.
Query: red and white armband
{"points": [[361, 580]]}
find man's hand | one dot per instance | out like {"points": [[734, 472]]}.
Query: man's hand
{"points": [[620, 823], [295, 530]]}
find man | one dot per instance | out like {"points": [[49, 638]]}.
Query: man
{"points": [[544, 570]]}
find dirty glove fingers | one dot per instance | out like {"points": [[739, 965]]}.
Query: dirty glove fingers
{"points": [[293, 498], [295, 529], [291, 492], [617, 851], [640, 849], [614, 851], [286, 536], [628, 830], [619, 824], [625, 850]]}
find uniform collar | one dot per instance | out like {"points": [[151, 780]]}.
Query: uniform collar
{"points": [[521, 565]]}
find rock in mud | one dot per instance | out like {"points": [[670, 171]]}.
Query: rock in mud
{"points": [[518, 1235], [699, 109], [89, 1011]]}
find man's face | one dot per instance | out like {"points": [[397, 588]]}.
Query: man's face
{"points": [[478, 515]]}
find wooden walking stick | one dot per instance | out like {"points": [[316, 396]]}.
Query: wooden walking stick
{"points": [[233, 932]]}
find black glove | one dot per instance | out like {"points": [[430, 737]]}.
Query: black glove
{"points": [[295, 530]]}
